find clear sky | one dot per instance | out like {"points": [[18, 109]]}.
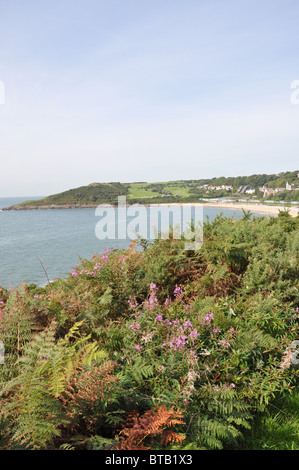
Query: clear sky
{"points": [[139, 90]]}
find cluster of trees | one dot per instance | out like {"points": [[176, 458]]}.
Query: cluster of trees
{"points": [[286, 196], [155, 346]]}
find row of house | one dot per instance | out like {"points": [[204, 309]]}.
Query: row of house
{"points": [[248, 189], [270, 191], [210, 187]]}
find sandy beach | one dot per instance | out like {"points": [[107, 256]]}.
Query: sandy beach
{"points": [[252, 207]]}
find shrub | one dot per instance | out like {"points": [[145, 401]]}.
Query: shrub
{"points": [[155, 346]]}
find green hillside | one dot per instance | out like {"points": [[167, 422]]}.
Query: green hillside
{"points": [[175, 191]]}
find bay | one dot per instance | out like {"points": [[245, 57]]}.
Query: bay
{"points": [[41, 245]]}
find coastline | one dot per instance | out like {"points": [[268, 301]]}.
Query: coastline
{"points": [[252, 207]]}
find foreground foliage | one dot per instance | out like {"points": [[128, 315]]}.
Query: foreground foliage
{"points": [[156, 346]]}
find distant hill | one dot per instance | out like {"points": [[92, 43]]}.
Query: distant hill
{"points": [[285, 187]]}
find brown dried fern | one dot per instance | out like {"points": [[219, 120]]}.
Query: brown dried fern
{"points": [[86, 388], [153, 423]]}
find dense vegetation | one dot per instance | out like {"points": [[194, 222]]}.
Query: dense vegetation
{"points": [[155, 346], [286, 196], [170, 192]]}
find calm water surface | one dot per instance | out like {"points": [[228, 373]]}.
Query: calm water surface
{"points": [[53, 239]]}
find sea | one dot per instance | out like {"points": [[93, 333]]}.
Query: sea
{"points": [[39, 246]]}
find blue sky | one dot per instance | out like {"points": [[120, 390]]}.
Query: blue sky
{"points": [[158, 90]]}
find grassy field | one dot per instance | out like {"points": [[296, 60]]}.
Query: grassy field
{"points": [[140, 190]]}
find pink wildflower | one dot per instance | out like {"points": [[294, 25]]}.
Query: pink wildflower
{"points": [[134, 326], [188, 324], [193, 334], [178, 290], [132, 304], [224, 343], [153, 300], [209, 317]]}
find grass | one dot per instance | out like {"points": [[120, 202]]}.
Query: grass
{"points": [[140, 190], [182, 191]]}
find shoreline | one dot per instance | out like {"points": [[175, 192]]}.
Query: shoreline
{"points": [[252, 207]]}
